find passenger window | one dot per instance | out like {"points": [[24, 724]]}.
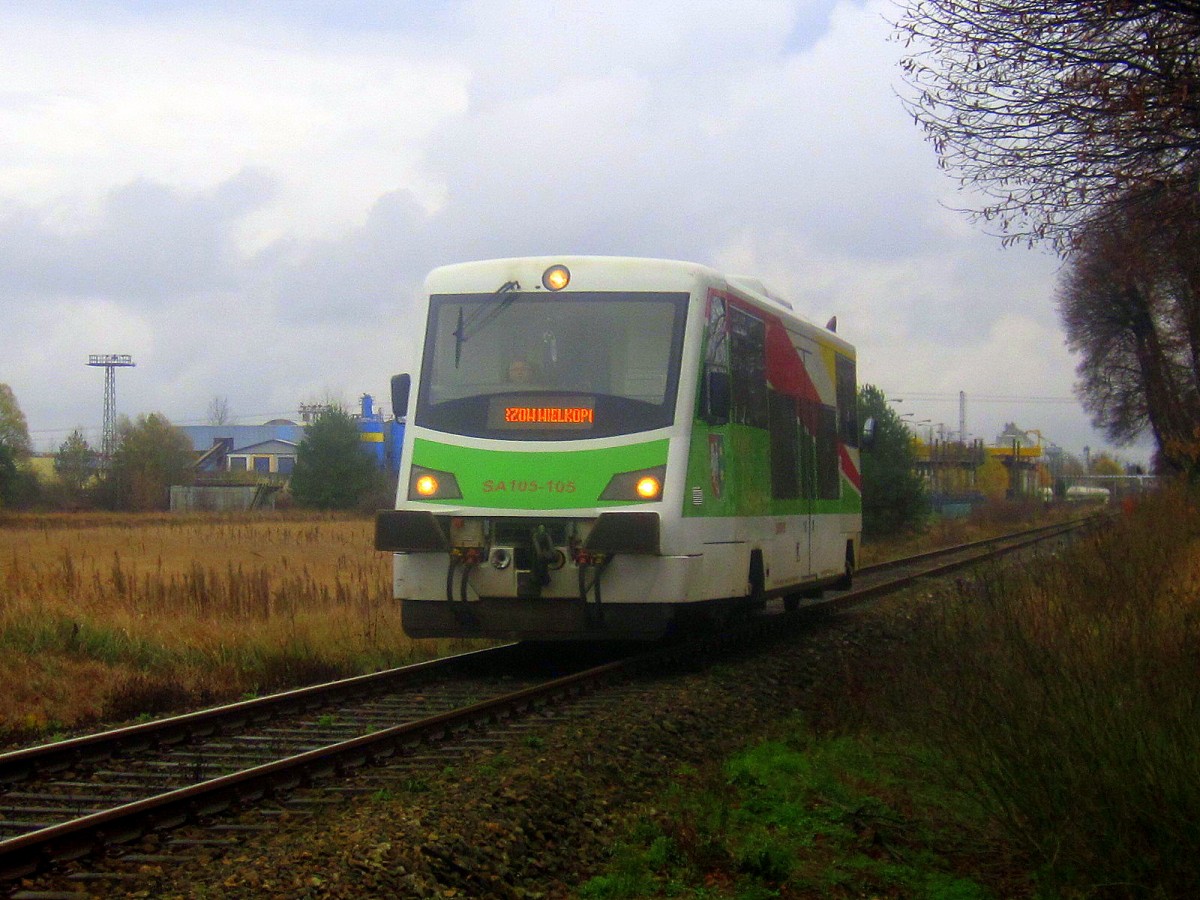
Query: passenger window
{"points": [[785, 449], [748, 341], [847, 401], [715, 399], [829, 481]]}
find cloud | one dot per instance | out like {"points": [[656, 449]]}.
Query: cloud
{"points": [[192, 100], [147, 242], [366, 273], [247, 198]]}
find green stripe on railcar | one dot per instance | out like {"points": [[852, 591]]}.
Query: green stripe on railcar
{"points": [[531, 480]]}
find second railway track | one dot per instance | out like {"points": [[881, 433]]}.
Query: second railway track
{"points": [[63, 801]]}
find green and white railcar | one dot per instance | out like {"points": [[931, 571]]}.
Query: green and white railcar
{"points": [[607, 448]]}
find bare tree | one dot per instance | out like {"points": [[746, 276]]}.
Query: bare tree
{"points": [[218, 411], [1056, 109]]}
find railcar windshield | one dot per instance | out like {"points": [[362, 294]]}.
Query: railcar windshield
{"points": [[537, 366]]}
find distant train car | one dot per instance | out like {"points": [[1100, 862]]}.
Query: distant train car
{"points": [[607, 447], [1083, 494]]}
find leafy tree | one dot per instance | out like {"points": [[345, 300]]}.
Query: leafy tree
{"points": [[992, 479], [1130, 303], [14, 432], [75, 462], [332, 472], [894, 497], [9, 476], [1057, 111], [20, 487], [150, 455], [1103, 464], [15, 483]]}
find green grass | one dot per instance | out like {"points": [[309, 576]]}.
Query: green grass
{"points": [[797, 815], [83, 639]]}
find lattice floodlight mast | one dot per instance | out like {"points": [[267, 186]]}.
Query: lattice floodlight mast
{"points": [[111, 362]]}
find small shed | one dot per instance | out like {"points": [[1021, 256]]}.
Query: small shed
{"points": [[222, 497]]}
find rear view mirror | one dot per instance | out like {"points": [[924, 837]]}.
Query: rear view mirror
{"points": [[400, 388]]}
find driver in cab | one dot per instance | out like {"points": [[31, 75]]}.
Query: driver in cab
{"points": [[521, 372]]}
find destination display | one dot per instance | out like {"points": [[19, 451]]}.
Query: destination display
{"points": [[552, 415], [543, 413]]}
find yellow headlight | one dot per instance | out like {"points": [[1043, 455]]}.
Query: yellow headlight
{"points": [[648, 488], [427, 485], [556, 278]]}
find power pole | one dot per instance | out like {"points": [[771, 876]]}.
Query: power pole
{"points": [[962, 417], [110, 362]]}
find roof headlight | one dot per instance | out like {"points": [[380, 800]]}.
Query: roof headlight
{"points": [[556, 278]]}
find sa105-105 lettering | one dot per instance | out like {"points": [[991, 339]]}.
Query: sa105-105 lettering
{"points": [[551, 486]]}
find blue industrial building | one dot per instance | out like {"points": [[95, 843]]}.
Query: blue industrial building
{"points": [[269, 450]]}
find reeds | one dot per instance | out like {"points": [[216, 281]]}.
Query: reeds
{"points": [[116, 616]]}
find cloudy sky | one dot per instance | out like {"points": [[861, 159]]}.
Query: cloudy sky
{"points": [[246, 197]]}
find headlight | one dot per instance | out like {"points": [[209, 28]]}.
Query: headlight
{"points": [[556, 278], [430, 484], [648, 488], [643, 485]]}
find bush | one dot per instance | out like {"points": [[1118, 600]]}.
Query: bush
{"points": [[893, 494], [332, 472]]}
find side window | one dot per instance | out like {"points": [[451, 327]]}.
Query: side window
{"points": [[847, 401], [808, 465], [807, 451], [716, 334], [785, 448], [748, 343], [714, 401], [829, 481]]}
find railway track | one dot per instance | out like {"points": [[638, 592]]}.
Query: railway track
{"points": [[894, 574], [69, 800]]}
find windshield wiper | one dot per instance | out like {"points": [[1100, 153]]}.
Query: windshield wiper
{"points": [[475, 323]]}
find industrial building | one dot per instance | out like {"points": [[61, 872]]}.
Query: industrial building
{"points": [[243, 466]]}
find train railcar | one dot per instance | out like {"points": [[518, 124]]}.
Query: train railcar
{"points": [[606, 448], [1084, 494]]}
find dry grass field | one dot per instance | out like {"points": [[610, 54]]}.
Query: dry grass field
{"points": [[116, 616]]}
